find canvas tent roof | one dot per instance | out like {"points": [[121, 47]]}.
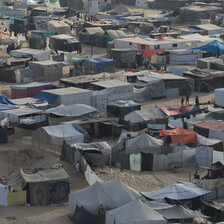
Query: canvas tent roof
{"points": [[134, 212], [4, 107], [180, 135], [112, 194], [29, 85], [144, 143], [212, 47], [115, 34], [144, 115], [178, 191], [75, 110], [213, 125], [63, 132]]}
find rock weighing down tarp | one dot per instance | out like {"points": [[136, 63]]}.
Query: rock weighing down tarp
{"points": [[135, 212], [179, 191], [112, 194]]}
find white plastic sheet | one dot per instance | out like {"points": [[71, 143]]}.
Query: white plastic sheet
{"points": [[3, 194]]}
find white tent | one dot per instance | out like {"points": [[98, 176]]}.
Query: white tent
{"points": [[144, 143], [178, 191], [135, 212], [112, 194]]}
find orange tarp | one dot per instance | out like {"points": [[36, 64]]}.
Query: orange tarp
{"points": [[174, 111], [180, 135]]}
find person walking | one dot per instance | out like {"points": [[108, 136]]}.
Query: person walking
{"points": [[182, 102], [187, 99], [196, 101]]}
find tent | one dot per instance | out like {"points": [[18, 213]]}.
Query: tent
{"points": [[174, 111], [178, 191], [144, 143], [213, 47], [135, 212], [5, 100], [75, 110], [180, 135], [112, 194]]}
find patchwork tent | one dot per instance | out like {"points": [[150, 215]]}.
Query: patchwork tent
{"points": [[135, 212], [213, 47], [112, 195], [144, 143], [180, 135], [179, 191]]}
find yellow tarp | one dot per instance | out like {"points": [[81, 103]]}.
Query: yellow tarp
{"points": [[17, 198]]}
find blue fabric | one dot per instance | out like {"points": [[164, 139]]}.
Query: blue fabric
{"points": [[45, 96], [6, 100], [7, 107], [212, 47], [101, 62], [120, 17]]}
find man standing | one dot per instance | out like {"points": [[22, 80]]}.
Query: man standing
{"points": [[196, 101], [187, 99]]}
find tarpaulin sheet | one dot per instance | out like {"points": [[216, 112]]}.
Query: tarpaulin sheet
{"points": [[204, 156], [178, 191], [3, 194], [170, 112], [45, 96], [101, 62], [6, 100], [17, 198], [4, 107], [135, 162], [212, 47], [208, 124], [206, 141], [180, 135]]}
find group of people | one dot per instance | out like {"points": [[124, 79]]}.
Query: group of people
{"points": [[187, 100], [85, 17]]}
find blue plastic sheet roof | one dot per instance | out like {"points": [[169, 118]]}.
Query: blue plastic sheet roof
{"points": [[7, 107], [5, 100], [45, 96], [101, 62], [212, 47]]}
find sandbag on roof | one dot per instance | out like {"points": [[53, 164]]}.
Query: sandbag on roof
{"points": [[144, 143], [75, 110], [178, 191], [134, 212], [112, 194]]}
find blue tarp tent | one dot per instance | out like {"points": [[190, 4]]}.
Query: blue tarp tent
{"points": [[45, 96], [6, 100], [4, 107], [212, 47]]}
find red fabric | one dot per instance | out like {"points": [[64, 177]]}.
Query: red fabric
{"points": [[174, 111], [214, 125], [180, 135], [131, 70]]}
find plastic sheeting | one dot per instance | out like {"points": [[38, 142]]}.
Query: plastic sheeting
{"points": [[112, 194], [178, 191], [204, 156], [212, 47], [74, 110], [59, 133], [201, 140], [144, 143], [180, 135], [5, 100], [3, 194], [219, 94], [135, 162], [135, 212]]}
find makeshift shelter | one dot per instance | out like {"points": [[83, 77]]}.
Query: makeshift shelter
{"points": [[5, 100], [47, 70], [134, 212], [64, 113], [178, 191], [39, 55], [124, 57], [174, 111], [214, 47], [144, 143], [66, 96], [96, 154], [53, 25], [43, 186], [219, 94], [121, 108], [180, 135], [65, 43], [111, 195], [210, 129], [138, 119], [37, 39], [28, 90], [97, 65]]}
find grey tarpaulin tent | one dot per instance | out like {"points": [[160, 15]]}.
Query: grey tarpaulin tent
{"points": [[144, 143], [112, 194], [178, 191], [135, 212]]}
